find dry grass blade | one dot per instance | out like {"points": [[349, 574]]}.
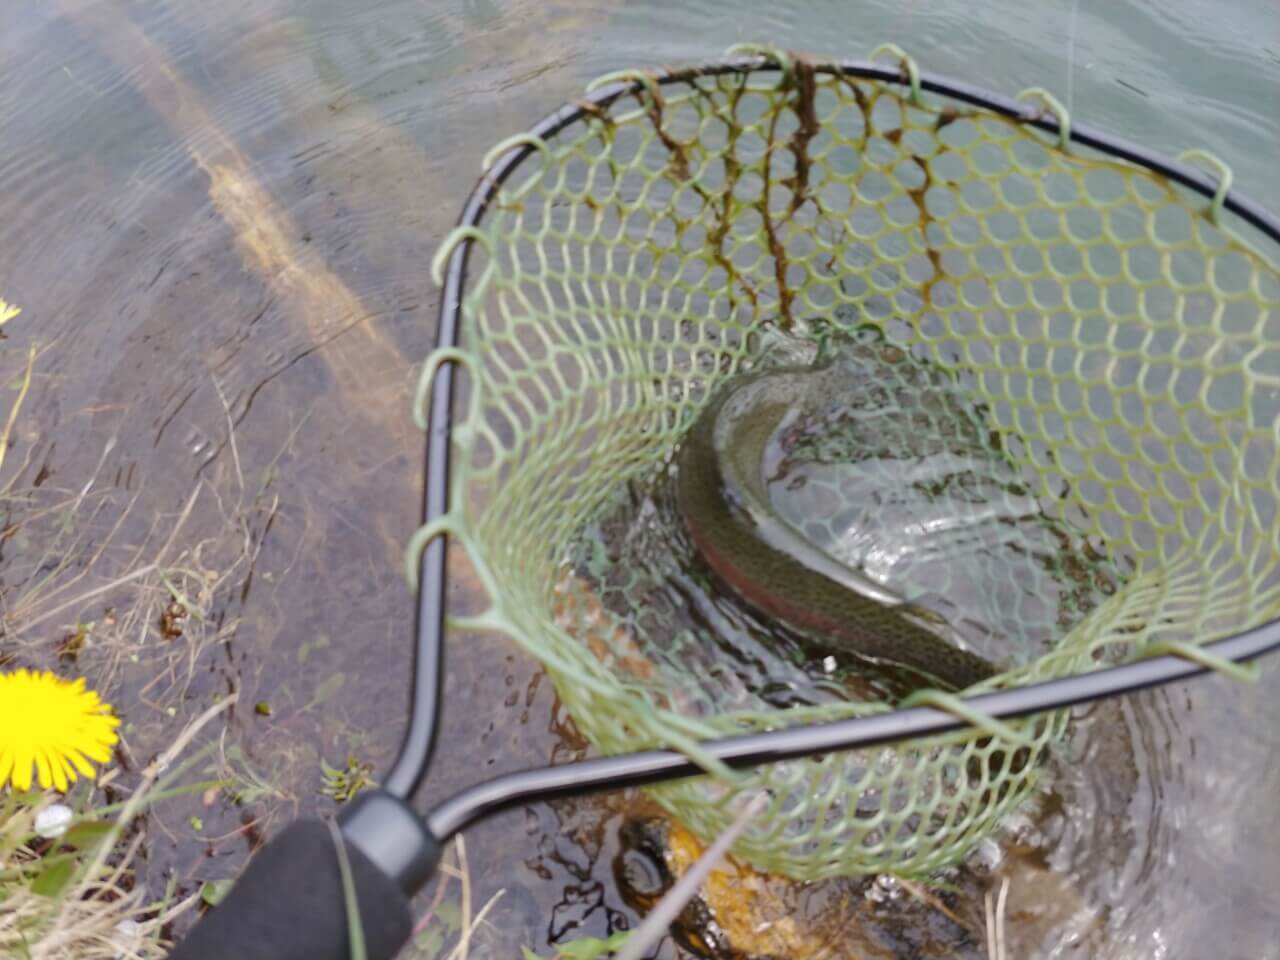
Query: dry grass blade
{"points": [[467, 925], [995, 914], [925, 896], [84, 598], [463, 950], [17, 404], [97, 913]]}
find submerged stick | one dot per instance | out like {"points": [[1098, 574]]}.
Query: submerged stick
{"points": [[268, 239]]}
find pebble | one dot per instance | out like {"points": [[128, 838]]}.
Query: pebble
{"points": [[53, 820]]}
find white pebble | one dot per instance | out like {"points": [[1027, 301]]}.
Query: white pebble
{"points": [[885, 889], [989, 853], [53, 820]]}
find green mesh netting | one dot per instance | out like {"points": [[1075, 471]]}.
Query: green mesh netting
{"points": [[1118, 349]]}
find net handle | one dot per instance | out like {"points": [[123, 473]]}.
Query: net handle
{"points": [[657, 766]]}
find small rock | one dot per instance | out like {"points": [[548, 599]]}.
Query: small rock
{"points": [[989, 853], [53, 820], [885, 889]]}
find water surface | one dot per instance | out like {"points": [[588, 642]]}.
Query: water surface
{"points": [[218, 220]]}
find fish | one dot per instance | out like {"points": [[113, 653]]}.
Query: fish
{"points": [[723, 504]]}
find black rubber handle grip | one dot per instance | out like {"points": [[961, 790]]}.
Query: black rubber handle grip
{"points": [[289, 905]]}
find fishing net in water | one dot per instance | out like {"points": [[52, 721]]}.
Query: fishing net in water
{"points": [[1062, 436]]}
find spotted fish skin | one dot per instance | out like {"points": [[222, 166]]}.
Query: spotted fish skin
{"points": [[724, 505]]}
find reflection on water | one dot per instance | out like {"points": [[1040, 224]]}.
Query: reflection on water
{"points": [[218, 218], [1165, 791]]}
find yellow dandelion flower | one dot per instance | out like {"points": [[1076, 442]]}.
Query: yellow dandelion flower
{"points": [[54, 725]]}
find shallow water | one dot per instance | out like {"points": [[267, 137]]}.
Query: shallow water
{"points": [[218, 220]]}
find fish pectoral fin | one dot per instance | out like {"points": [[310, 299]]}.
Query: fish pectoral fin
{"points": [[932, 621], [931, 617], [936, 624]]}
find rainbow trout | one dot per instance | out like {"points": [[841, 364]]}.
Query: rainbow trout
{"points": [[724, 504]]}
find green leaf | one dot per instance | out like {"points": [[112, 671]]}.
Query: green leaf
{"points": [[355, 932], [214, 890], [590, 948], [53, 879], [328, 688], [197, 824], [449, 914], [86, 834], [319, 643], [430, 942]]}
